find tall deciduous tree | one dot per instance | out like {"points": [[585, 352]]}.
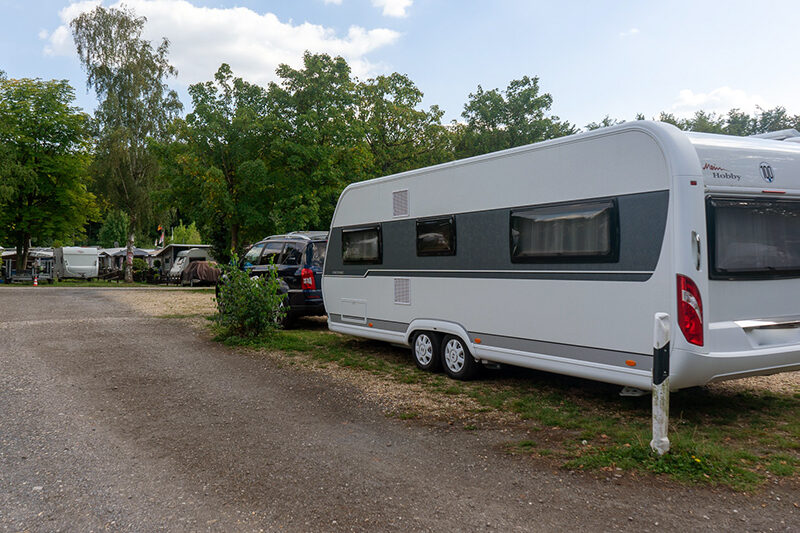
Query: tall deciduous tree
{"points": [[316, 144], [217, 173], [400, 136], [496, 120], [135, 108], [44, 143]]}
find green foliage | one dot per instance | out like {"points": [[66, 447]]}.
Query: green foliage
{"points": [[185, 234], [134, 110], [496, 120], [249, 306], [44, 154], [316, 142], [399, 135], [216, 171], [115, 229]]}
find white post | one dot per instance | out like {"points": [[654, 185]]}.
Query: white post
{"points": [[661, 334]]}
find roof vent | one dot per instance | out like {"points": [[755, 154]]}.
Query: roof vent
{"points": [[402, 291], [400, 203], [781, 135]]}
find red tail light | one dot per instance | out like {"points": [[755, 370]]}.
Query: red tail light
{"points": [[690, 311], [308, 281]]}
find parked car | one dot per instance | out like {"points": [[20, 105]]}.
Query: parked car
{"points": [[299, 257]]}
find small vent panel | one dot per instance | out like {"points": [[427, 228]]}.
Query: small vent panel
{"points": [[402, 291], [400, 203]]}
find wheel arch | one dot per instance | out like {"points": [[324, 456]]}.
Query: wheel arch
{"points": [[441, 327]]}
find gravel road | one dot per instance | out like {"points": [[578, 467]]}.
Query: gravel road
{"points": [[114, 420]]}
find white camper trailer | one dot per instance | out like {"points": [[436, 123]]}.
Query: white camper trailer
{"points": [[183, 260], [556, 256], [76, 262]]}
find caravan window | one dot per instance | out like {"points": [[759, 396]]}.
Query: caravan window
{"points": [[584, 231], [436, 236], [753, 238], [361, 245]]}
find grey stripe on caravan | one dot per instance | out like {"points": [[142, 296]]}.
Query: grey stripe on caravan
{"points": [[579, 275], [567, 351], [386, 325], [554, 349]]}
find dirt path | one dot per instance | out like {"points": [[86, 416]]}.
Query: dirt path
{"points": [[113, 419]]}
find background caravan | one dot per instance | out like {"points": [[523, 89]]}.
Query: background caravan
{"points": [[556, 256]]}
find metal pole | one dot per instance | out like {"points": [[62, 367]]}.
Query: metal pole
{"points": [[661, 335]]}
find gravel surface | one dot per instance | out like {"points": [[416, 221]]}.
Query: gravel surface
{"points": [[114, 419]]}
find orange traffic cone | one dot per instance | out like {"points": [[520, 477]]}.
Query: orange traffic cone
{"points": [[36, 281]]}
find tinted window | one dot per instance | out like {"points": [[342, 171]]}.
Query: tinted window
{"points": [[436, 236], [252, 255], [575, 232], [318, 250], [272, 253], [754, 238], [293, 255], [361, 245]]}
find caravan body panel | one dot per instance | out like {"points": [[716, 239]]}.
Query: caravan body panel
{"points": [[76, 262]]}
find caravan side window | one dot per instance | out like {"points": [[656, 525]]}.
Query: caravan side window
{"points": [[586, 231], [361, 245], [436, 236]]}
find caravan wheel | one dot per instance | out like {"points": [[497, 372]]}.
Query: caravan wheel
{"points": [[425, 349], [457, 361]]}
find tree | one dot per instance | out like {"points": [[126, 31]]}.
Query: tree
{"points": [[399, 135], [115, 229], [498, 120], [316, 143], [186, 234], [44, 143], [216, 169], [135, 107]]}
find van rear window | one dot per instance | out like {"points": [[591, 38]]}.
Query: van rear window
{"points": [[362, 245], [586, 231], [753, 238]]}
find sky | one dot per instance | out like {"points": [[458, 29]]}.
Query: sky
{"points": [[615, 58]]}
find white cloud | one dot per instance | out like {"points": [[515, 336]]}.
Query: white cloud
{"points": [[335, 2], [720, 100], [253, 44], [393, 8], [629, 33]]}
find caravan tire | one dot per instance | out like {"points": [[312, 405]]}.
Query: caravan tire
{"points": [[457, 360], [425, 350]]}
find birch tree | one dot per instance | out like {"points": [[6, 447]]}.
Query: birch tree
{"points": [[135, 107]]}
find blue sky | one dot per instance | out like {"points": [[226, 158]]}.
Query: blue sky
{"points": [[595, 58]]}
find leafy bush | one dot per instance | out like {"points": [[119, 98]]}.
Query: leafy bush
{"points": [[250, 306]]}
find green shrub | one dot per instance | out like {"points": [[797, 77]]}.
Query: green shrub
{"points": [[250, 306], [140, 269]]}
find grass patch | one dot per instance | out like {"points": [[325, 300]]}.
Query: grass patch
{"points": [[718, 438]]}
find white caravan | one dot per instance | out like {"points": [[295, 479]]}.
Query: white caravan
{"points": [[76, 262], [556, 256]]}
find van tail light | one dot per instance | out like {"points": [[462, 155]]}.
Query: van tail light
{"points": [[690, 310], [308, 281]]}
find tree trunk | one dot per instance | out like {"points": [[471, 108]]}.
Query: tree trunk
{"points": [[235, 238], [23, 251], [129, 258]]}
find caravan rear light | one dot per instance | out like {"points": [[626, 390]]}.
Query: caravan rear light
{"points": [[690, 310], [308, 281]]}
